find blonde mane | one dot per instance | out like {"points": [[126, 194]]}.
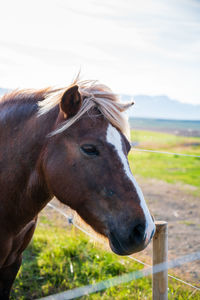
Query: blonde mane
{"points": [[93, 94]]}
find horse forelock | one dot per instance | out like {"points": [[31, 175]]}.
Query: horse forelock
{"points": [[94, 95]]}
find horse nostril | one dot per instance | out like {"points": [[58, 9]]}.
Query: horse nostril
{"points": [[138, 234]]}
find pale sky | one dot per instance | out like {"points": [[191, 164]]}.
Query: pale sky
{"points": [[136, 47]]}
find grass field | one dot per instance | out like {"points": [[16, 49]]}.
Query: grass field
{"points": [[170, 168], [60, 258]]}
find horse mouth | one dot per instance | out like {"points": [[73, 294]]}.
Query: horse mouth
{"points": [[116, 246], [120, 248]]}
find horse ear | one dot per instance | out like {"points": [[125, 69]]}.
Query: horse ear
{"points": [[71, 101]]}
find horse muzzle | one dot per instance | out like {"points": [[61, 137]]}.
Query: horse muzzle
{"points": [[136, 241]]}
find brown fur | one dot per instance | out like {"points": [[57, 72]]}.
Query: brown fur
{"points": [[35, 167]]}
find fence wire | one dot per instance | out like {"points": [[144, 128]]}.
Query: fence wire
{"points": [[71, 221], [105, 284]]}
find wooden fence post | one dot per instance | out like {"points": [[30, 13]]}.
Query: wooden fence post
{"points": [[160, 249]]}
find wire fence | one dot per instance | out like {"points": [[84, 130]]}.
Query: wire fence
{"points": [[105, 284], [124, 278]]}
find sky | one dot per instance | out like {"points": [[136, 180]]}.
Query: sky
{"points": [[148, 47]]}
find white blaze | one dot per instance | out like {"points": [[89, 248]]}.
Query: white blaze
{"points": [[113, 137]]}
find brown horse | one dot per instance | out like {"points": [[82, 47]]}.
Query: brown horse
{"points": [[69, 143]]}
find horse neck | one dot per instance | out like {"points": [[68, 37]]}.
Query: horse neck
{"points": [[25, 188], [37, 191]]}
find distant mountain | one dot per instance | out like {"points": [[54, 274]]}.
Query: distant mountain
{"points": [[159, 107], [162, 107]]}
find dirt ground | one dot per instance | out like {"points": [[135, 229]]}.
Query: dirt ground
{"points": [[176, 205]]}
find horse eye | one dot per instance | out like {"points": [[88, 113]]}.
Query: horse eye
{"points": [[90, 150]]}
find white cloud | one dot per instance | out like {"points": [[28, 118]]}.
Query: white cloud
{"points": [[137, 47]]}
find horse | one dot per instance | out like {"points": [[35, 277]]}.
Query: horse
{"points": [[71, 143]]}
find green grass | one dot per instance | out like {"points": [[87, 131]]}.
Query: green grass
{"points": [[59, 259], [166, 141], [170, 168]]}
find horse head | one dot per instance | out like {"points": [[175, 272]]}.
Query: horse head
{"points": [[86, 167]]}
